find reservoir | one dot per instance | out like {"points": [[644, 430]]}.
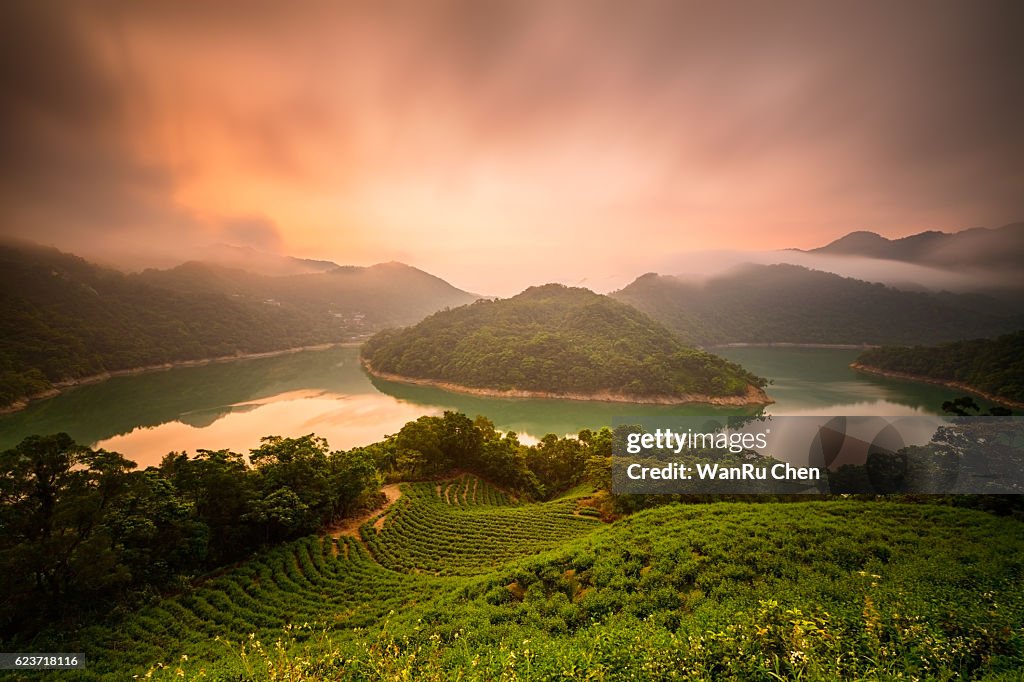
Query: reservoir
{"points": [[231, 405]]}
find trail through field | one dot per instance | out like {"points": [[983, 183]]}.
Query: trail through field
{"points": [[350, 527]]}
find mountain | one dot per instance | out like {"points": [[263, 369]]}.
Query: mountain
{"points": [[553, 341], [369, 298], [976, 248], [63, 318], [792, 304]]}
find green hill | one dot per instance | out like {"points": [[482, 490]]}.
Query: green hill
{"points": [[556, 340], [994, 367], [474, 527], [364, 298], [792, 304], [817, 590], [63, 318]]}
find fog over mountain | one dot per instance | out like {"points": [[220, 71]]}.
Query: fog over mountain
{"points": [[1000, 248], [790, 304], [973, 260]]}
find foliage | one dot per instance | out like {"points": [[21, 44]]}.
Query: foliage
{"points": [[57, 552], [433, 446], [63, 318], [819, 591], [466, 526], [554, 339], [993, 366], [463, 579], [83, 528], [83, 523]]}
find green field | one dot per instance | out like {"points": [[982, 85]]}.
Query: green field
{"points": [[461, 581], [467, 527]]}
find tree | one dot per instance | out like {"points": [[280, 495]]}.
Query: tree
{"points": [[155, 531], [419, 446], [558, 462], [598, 466], [56, 550], [301, 466], [353, 475], [221, 489], [503, 460], [279, 514], [460, 440]]}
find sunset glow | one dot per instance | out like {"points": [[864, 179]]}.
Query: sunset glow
{"points": [[582, 143]]}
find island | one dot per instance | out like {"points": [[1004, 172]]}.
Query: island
{"points": [[991, 368], [555, 341]]}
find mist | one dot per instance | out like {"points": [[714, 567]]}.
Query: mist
{"points": [[702, 266]]}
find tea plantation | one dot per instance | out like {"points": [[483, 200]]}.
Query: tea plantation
{"points": [[468, 527], [460, 581]]}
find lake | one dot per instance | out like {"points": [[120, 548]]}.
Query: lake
{"points": [[232, 404]]}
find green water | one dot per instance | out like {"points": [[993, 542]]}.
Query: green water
{"points": [[231, 405]]}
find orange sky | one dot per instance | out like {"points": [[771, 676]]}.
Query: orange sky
{"points": [[500, 145]]}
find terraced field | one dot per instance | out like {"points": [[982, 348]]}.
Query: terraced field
{"points": [[438, 529], [467, 527], [454, 582], [313, 580]]}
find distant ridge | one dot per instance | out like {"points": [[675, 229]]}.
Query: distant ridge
{"points": [[386, 294], [975, 248], [793, 304]]}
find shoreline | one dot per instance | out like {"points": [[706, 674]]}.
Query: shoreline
{"points": [[868, 369], [59, 387], [754, 397]]}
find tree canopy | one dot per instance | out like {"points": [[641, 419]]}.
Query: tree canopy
{"points": [[63, 318], [993, 366], [554, 339]]}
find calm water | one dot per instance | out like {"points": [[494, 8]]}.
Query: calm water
{"points": [[231, 405]]}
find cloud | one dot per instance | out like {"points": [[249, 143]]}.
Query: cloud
{"points": [[252, 231], [69, 174], [466, 132]]}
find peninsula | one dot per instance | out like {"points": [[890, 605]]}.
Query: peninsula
{"points": [[554, 341], [991, 368]]}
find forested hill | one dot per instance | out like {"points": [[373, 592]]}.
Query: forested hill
{"points": [[793, 304], [555, 340], [991, 366], [381, 295], [63, 318]]}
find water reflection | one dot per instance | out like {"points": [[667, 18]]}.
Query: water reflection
{"points": [[344, 420], [820, 382], [537, 417], [232, 405]]}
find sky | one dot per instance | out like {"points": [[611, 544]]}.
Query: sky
{"points": [[504, 144]]}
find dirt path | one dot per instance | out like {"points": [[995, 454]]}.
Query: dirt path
{"points": [[350, 527]]}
